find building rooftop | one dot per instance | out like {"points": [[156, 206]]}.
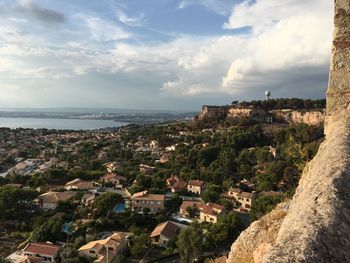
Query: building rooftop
{"points": [[186, 204], [146, 196], [167, 229], [55, 197], [42, 249], [196, 182], [112, 176]]}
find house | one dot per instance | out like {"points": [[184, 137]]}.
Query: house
{"points": [[50, 200], [211, 212], [194, 205], [153, 202], [196, 186], [164, 158], [236, 195], [111, 166], [146, 169], [105, 250], [154, 144], [79, 184], [273, 151], [115, 179], [204, 212], [176, 184], [88, 199], [47, 252], [163, 233], [171, 148], [139, 143]]}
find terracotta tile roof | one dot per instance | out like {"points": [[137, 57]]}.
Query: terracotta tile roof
{"points": [[113, 240], [42, 249], [246, 195], [180, 185], [172, 180], [211, 209], [74, 182], [86, 185], [167, 229], [186, 204], [176, 182], [146, 196], [235, 190], [196, 182], [239, 192], [139, 194], [93, 244], [55, 197], [107, 177]]}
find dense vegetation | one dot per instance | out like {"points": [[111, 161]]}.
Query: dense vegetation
{"points": [[276, 104], [240, 154]]}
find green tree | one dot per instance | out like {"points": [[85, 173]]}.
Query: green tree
{"points": [[211, 193], [51, 230], [70, 255], [191, 242], [139, 245], [106, 202], [264, 204], [295, 154], [173, 204]]}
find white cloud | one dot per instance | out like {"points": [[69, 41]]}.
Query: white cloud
{"points": [[184, 87], [286, 37], [286, 51], [133, 21], [104, 30]]}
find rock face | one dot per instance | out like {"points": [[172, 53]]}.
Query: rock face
{"points": [[338, 94], [311, 117], [316, 227], [212, 112], [314, 117], [258, 238]]}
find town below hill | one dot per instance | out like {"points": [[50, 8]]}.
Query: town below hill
{"points": [[178, 191]]}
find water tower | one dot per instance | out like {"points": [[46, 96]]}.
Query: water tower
{"points": [[267, 94]]}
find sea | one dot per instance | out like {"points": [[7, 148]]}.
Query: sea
{"points": [[58, 124]]}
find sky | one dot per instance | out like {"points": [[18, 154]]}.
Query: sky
{"points": [[161, 54]]}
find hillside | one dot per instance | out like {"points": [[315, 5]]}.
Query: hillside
{"points": [[313, 226], [291, 111]]}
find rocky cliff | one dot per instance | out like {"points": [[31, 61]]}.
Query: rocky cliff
{"points": [[311, 117], [214, 112], [314, 225]]}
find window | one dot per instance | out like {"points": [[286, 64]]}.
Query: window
{"points": [[247, 200], [92, 252]]}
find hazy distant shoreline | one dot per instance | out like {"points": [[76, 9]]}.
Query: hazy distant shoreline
{"points": [[98, 114], [58, 124]]}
